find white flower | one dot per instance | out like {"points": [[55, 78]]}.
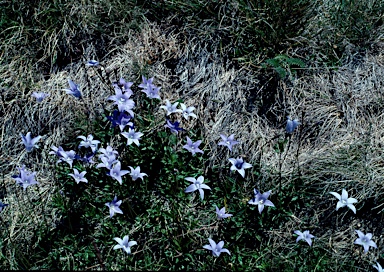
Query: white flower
{"points": [[216, 248], [187, 111], [135, 173], [197, 185], [124, 244], [170, 108], [344, 200]]}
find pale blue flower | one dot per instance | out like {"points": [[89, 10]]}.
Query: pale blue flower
{"points": [[378, 267], [132, 136], [73, 89], [114, 207], [124, 86], [39, 96], [261, 200], [79, 177], [151, 91], [135, 173], [221, 213], [365, 240], [239, 165], [25, 178], [89, 142], [193, 147], [108, 152], [122, 101], [107, 161], [344, 200], [30, 142], [145, 83], [228, 141], [197, 184], [67, 156], [187, 111], [304, 236], [170, 108], [291, 125], [216, 249], [117, 173], [124, 244]]}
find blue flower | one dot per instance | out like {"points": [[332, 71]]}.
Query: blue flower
{"points": [[174, 127], [73, 89], [193, 147], [124, 244], [114, 207], [79, 177], [221, 213], [216, 249], [39, 96], [197, 184], [291, 125], [30, 142], [25, 178], [365, 240], [228, 141], [93, 63], [261, 200]]}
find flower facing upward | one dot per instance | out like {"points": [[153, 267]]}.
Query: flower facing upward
{"points": [[365, 240], [30, 142], [261, 200], [174, 127], [221, 213], [89, 142], [151, 91], [122, 101], [117, 173], [193, 147], [170, 108], [124, 244], [25, 178], [79, 177], [304, 236], [344, 200], [135, 173], [197, 184], [216, 249], [114, 207], [132, 136], [145, 83], [73, 89], [187, 111], [291, 125], [108, 152], [39, 96], [239, 165], [228, 141], [378, 267]]}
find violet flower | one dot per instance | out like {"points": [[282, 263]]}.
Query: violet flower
{"points": [[261, 200], [92, 63], [193, 147], [117, 173], [107, 162], [221, 213], [174, 127], [79, 177], [216, 249], [304, 236], [122, 101], [365, 240], [89, 142], [197, 184], [114, 207], [228, 141], [239, 165], [73, 89], [124, 86], [145, 83], [25, 178], [152, 91], [39, 96], [30, 142]]}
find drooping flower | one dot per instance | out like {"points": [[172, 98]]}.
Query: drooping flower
{"points": [[197, 184], [89, 142], [261, 200], [124, 244], [344, 200], [378, 267], [132, 136], [193, 147], [39, 96], [365, 240], [187, 111], [228, 141], [30, 142], [117, 173], [239, 165], [2, 206], [174, 127], [170, 108], [25, 178], [114, 207], [304, 236], [79, 177], [216, 249], [92, 63], [135, 173], [122, 101], [73, 89], [291, 125], [221, 213]]}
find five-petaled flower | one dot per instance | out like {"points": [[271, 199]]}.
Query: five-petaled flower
{"points": [[79, 177], [135, 173], [291, 125], [151, 91], [116, 172], [261, 200], [124, 86], [304, 236], [187, 111], [39, 96], [124, 244], [89, 142], [25, 178], [365, 240], [66, 156], [132, 136], [73, 89], [197, 184], [114, 207], [221, 213], [146, 82], [170, 108], [216, 249], [122, 101], [107, 161], [193, 147], [239, 165], [228, 141], [344, 200], [30, 142]]}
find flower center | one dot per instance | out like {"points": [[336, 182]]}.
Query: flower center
{"points": [[261, 201], [239, 165], [344, 201]]}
